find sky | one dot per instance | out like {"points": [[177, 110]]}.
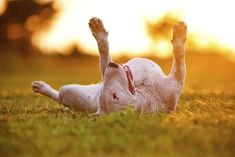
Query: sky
{"points": [[208, 20]]}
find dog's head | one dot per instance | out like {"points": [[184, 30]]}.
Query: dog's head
{"points": [[118, 88]]}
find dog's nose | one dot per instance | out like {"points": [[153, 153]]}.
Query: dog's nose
{"points": [[113, 65]]}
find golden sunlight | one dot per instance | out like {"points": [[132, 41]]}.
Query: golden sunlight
{"points": [[3, 6], [126, 22]]}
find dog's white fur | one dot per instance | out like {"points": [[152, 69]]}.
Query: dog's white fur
{"points": [[140, 83]]}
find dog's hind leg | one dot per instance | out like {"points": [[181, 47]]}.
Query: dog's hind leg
{"points": [[178, 70], [45, 89], [101, 36], [80, 97]]}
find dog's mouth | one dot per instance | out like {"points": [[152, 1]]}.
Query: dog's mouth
{"points": [[129, 78], [128, 73]]}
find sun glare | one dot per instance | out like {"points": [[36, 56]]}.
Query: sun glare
{"points": [[125, 21], [161, 48], [3, 5]]}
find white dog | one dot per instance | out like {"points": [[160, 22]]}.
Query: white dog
{"points": [[140, 83]]}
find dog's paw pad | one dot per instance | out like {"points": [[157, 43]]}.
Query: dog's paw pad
{"points": [[40, 87]]}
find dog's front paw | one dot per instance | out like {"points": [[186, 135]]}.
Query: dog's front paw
{"points": [[179, 33], [40, 87], [97, 29]]}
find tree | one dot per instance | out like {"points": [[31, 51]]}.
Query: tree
{"points": [[20, 20]]}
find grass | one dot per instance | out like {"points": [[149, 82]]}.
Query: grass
{"points": [[34, 125]]}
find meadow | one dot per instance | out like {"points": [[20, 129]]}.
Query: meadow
{"points": [[33, 125]]}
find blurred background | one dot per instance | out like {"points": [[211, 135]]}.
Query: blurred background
{"points": [[53, 34]]}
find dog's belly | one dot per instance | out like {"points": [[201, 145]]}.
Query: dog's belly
{"points": [[149, 80], [145, 71]]}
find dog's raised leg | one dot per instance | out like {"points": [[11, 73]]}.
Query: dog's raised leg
{"points": [[101, 36], [44, 89], [173, 85], [178, 71]]}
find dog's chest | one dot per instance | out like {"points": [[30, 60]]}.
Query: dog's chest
{"points": [[149, 99]]}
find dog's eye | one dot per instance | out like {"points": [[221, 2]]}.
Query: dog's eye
{"points": [[115, 97]]}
